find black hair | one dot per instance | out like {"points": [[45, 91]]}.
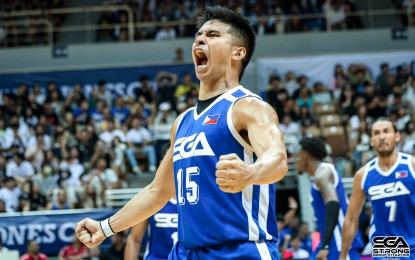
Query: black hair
{"points": [[241, 28], [315, 147], [395, 129]]}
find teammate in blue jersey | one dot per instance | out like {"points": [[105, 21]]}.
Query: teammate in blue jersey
{"points": [[388, 181], [329, 200], [162, 233], [226, 155]]}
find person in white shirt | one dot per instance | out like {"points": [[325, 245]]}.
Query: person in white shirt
{"points": [[101, 178], [10, 194], [110, 133], [20, 169], [298, 252], [138, 140]]}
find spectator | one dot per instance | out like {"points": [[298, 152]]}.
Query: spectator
{"points": [[298, 252], [46, 181], [273, 91], [138, 141], [61, 202], [184, 89], [382, 80], [24, 203], [39, 96], [103, 93], [76, 250], [146, 90], [102, 178], [81, 114], [166, 87], [166, 33], [33, 252], [305, 238], [108, 135], [116, 251], [120, 112], [37, 200], [20, 169], [335, 13], [178, 58]]}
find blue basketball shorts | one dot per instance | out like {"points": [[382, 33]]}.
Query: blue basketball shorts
{"points": [[242, 250]]}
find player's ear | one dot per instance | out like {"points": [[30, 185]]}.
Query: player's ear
{"points": [[238, 53], [397, 137]]}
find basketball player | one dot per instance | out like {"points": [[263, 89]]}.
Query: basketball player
{"points": [[388, 181], [162, 231], [329, 200], [226, 155]]}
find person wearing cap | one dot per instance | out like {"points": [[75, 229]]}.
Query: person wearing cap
{"points": [[10, 194]]}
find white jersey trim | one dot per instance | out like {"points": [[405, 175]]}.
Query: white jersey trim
{"points": [[366, 172], [333, 171], [410, 165], [391, 170], [247, 193], [181, 117], [263, 250], [229, 120], [263, 209]]}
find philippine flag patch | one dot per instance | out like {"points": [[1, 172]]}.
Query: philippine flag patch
{"points": [[401, 174], [211, 119]]}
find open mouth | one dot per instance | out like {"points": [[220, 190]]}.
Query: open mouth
{"points": [[201, 59]]}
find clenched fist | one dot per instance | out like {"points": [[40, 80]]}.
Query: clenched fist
{"points": [[232, 174], [89, 232]]}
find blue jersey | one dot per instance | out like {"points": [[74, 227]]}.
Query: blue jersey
{"points": [[392, 195], [207, 215], [162, 231], [320, 212]]}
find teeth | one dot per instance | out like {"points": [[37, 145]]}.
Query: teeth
{"points": [[201, 66], [200, 53]]}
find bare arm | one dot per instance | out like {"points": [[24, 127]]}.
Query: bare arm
{"points": [[146, 203], [260, 121], [351, 221], [324, 180], [133, 244]]}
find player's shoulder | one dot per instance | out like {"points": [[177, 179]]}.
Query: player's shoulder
{"points": [[252, 106]]}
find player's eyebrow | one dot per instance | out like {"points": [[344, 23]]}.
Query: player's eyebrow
{"points": [[207, 32]]}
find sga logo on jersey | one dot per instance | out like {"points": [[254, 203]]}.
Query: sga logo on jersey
{"points": [[166, 220], [194, 145], [388, 190], [390, 246]]}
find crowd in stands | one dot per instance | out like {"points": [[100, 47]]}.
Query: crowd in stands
{"points": [[28, 30], [61, 152], [177, 17], [355, 98], [267, 17]]}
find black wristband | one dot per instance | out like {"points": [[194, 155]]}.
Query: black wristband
{"points": [[332, 215], [110, 225]]}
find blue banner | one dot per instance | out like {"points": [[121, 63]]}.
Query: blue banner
{"points": [[119, 81], [52, 229]]}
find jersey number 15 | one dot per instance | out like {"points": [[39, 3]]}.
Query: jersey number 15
{"points": [[192, 189]]}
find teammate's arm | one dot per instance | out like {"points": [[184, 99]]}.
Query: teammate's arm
{"points": [[133, 244], [146, 203], [351, 221], [259, 120], [324, 180]]}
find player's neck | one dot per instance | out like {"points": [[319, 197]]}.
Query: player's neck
{"points": [[209, 90], [385, 163], [312, 166]]}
